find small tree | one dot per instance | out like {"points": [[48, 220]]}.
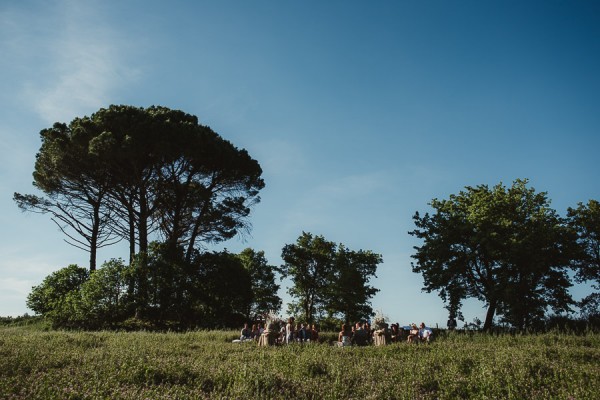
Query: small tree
{"points": [[225, 289], [264, 288], [349, 292], [329, 277], [310, 263], [53, 298]]}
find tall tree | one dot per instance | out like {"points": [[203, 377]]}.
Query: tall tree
{"points": [[503, 246], [585, 222], [76, 185], [262, 277], [133, 171]]}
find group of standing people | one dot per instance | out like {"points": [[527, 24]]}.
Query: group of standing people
{"points": [[362, 334], [293, 332], [359, 334], [288, 333]]}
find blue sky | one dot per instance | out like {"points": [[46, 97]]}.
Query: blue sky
{"points": [[359, 112]]}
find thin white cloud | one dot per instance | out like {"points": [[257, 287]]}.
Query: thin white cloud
{"points": [[82, 59], [16, 287], [342, 199], [18, 274]]}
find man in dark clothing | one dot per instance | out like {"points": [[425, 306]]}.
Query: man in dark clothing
{"points": [[360, 337]]}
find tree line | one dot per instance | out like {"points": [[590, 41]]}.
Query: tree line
{"points": [[169, 186]]}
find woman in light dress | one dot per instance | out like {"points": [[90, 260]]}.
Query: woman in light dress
{"points": [[344, 338]]}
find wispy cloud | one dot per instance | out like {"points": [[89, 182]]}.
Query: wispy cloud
{"points": [[342, 199], [18, 287], [82, 58]]}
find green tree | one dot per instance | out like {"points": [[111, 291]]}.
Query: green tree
{"points": [[224, 289], [349, 293], [51, 298], [585, 222], [102, 301], [264, 288], [76, 185], [329, 277], [140, 173], [503, 246], [132, 172], [310, 264]]}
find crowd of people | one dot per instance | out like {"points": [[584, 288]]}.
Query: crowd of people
{"points": [[362, 334], [359, 334], [288, 333]]}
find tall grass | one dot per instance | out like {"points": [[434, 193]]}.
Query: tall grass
{"points": [[196, 365]]}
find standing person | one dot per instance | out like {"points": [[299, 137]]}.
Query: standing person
{"points": [[361, 336], [413, 334], [268, 336], [425, 334], [255, 332], [301, 333], [395, 333], [367, 329], [314, 334], [282, 337], [289, 331], [344, 336]]}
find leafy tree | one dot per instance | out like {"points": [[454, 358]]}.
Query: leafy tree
{"points": [[130, 172], [262, 277], [104, 299], [76, 185], [51, 298], [225, 289], [329, 277], [349, 293], [134, 173], [585, 222], [503, 246], [310, 263]]}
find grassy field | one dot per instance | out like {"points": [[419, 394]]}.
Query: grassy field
{"points": [[106, 365]]}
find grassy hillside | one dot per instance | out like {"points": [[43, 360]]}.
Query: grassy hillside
{"points": [[81, 365]]}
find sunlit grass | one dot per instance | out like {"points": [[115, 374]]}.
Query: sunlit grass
{"points": [[102, 365]]}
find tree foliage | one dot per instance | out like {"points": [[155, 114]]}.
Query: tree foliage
{"points": [[503, 246], [585, 222], [350, 294], [126, 172], [53, 298], [329, 278], [264, 289], [211, 291], [310, 265]]}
